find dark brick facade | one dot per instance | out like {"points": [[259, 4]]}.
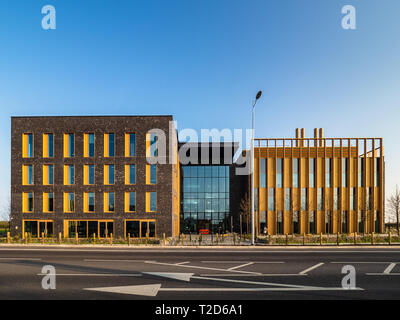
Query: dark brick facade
{"points": [[119, 125]]}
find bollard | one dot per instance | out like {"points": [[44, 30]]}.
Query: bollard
{"points": [[76, 238], [129, 239], [8, 237], [355, 237], [287, 240], [26, 238], [372, 238], [42, 237], [304, 239], [164, 239], [59, 238], [234, 239], [111, 238], [94, 238], [337, 239], [390, 237], [217, 238], [320, 239]]}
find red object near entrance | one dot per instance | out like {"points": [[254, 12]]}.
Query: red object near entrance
{"points": [[204, 231]]}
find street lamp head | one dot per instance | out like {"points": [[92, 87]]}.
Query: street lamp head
{"points": [[258, 96]]}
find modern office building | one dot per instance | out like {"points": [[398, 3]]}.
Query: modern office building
{"points": [[91, 175], [95, 175], [319, 185]]}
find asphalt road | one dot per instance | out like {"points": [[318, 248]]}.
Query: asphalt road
{"points": [[199, 274]]}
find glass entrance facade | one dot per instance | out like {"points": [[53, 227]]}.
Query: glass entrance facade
{"points": [[205, 201]]}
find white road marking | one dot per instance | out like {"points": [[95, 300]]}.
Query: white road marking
{"points": [[311, 268], [149, 290], [92, 274], [389, 268], [197, 267], [33, 259], [383, 274], [241, 266], [362, 262], [220, 261], [109, 260], [172, 275], [181, 263], [252, 275]]}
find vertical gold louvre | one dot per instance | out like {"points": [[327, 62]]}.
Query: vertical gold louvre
{"points": [[279, 200]]}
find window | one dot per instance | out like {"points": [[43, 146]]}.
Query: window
{"points": [[361, 172], [288, 200], [48, 145], [69, 145], [376, 172], [130, 174], [109, 145], [311, 220], [109, 174], [130, 144], [295, 173], [151, 145], [130, 201], [140, 228], [328, 169], [303, 199], [376, 221], [352, 199], [109, 202], [37, 228], [88, 174], [263, 173], [320, 199], [361, 222], [263, 221], [296, 229], [88, 143], [27, 202], [328, 221], [271, 199], [344, 172], [345, 219], [86, 229], [48, 174], [151, 174], [279, 168], [369, 199], [336, 199], [69, 174], [151, 201], [88, 202], [48, 202], [27, 145], [279, 222], [27, 174], [312, 173], [69, 202]]}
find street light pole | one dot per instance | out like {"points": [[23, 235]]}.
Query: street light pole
{"points": [[252, 166]]}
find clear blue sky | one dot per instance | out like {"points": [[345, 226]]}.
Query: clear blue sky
{"points": [[203, 61]]}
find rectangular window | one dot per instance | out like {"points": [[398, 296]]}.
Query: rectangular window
{"points": [[151, 201], [263, 173], [360, 172], [130, 144], [336, 199], [69, 145], [69, 202], [296, 229], [69, 174], [48, 145], [151, 145], [376, 172], [88, 174], [311, 220], [312, 173], [288, 200], [27, 145], [130, 174], [303, 199], [151, 174], [271, 199], [27, 202], [130, 201], [360, 222], [320, 199], [109, 202], [328, 221], [140, 228], [48, 202], [345, 221], [295, 173], [279, 169], [27, 174], [88, 202], [369, 199], [344, 172], [88, 143], [109, 174], [376, 221], [328, 170], [48, 174], [109, 145], [352, 198], [279, 222]]}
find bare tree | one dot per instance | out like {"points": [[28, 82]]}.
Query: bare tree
{"points": [[394, 206], [5, 213]]}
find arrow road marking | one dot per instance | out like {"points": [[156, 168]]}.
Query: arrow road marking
{"points": [[172, 275]]}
